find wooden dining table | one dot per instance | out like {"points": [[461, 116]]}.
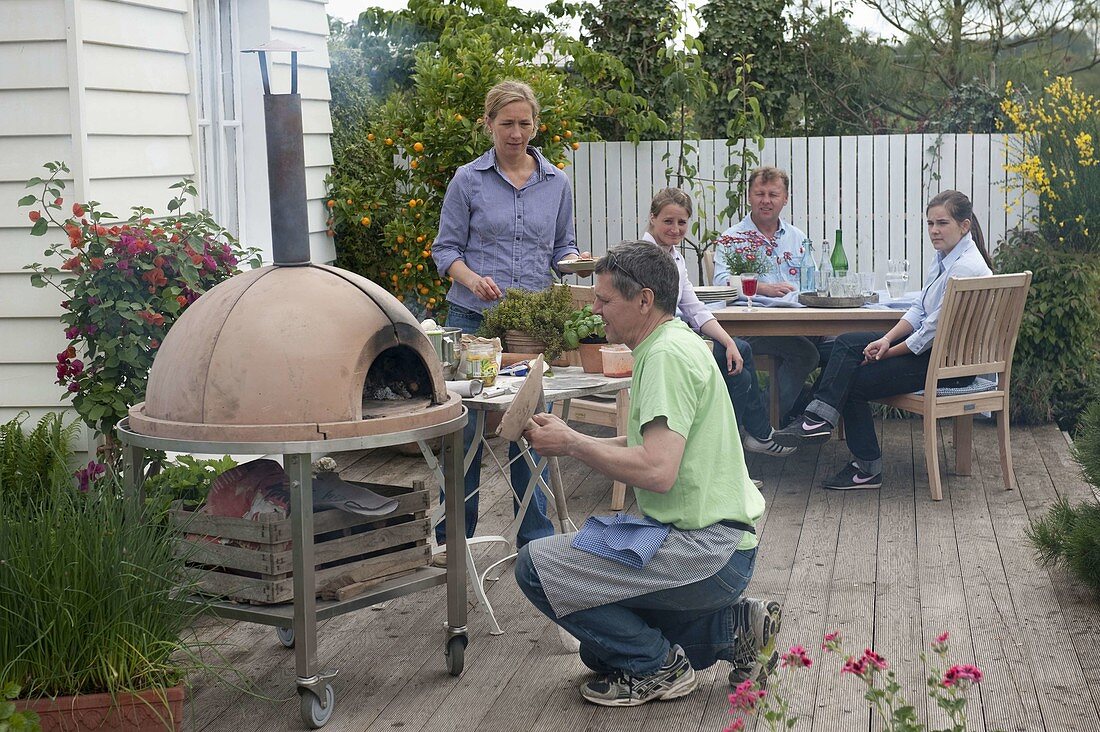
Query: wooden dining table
{"points": [[739, 321]]}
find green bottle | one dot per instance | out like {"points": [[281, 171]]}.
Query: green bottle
{"points": [[839, 259]]}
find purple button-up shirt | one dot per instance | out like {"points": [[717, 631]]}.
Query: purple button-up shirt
{"points": [[512, 235]]}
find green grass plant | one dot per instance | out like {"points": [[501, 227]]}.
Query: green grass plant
{"points": [[89, 594], [33, 460]]}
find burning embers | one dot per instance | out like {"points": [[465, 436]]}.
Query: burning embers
{"points": [[397, 375]]}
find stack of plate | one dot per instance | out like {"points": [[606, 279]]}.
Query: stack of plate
{"points": [[716, 293]]}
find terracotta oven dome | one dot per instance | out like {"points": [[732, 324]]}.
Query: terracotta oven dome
{"points": [[295, 353]]}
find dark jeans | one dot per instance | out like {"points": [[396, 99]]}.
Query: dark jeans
{"points": [[749, 406], [535, 523], [846, 388], [635, 635]]}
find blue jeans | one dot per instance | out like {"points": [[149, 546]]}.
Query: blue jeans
{"points": [[797, 357], [635, 635], [535, 523], [846, 389], [749, 406]]}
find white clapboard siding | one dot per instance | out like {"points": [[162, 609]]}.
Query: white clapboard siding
{"points": [[873, 188], [107, 85]]}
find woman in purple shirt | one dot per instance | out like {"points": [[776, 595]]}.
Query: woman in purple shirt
{"points": [[507, 218]]}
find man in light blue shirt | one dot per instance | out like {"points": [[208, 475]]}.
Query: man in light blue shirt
{"points": [[797, 356]]}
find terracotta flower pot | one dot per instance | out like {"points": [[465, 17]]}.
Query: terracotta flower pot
{"points": [[153, 710], [591, 358], [516, 341]]}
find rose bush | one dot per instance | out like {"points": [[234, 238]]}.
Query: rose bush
{"points": [[125, 283]]}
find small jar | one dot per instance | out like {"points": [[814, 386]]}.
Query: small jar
{"points": [[481, 363]]}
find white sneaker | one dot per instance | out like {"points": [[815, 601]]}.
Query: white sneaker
{"points": [[766, 447]]}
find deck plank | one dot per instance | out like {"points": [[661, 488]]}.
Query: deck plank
{"points": [[888, 568]]}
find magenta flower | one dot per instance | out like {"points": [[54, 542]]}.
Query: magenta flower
{"points": [[88, 475], [745, 696], [74, 387], [962, 676], [855, 667], [797, 657], [832, 642], [736, 725], [942, 637], [76, 367], [875, 659]]}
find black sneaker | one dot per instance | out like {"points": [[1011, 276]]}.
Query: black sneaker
{"points": [[851, 478], [767, 446], [805, 429], [756, 654], [621, 689]]}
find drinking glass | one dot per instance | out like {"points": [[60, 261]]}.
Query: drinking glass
{"points": [[866, 283], [897, 277], [748, 286], [822, 283]]}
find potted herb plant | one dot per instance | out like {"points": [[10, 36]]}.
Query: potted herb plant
{"points": [[90, 596], [530, 322], [584, 331]]}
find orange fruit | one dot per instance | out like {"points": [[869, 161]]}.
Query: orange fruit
{"points": [[568, 133], [542, 128], [370, 137], [458, 118], [414, 165], [418, 147], [400, 239], [419, 268], [576, 146], [561, 166], [389, 140], [331, 203], [420, 238], [365, 221], [557, 138]]}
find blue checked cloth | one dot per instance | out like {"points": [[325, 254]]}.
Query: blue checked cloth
{"points": [[622, 538]]}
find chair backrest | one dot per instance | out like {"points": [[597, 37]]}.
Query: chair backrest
{"points": [[708, 267], [978, 324]]}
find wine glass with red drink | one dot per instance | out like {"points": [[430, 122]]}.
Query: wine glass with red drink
{"points": [[748, 286]]}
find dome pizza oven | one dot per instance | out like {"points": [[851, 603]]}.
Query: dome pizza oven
{"points": [[294, 351]]}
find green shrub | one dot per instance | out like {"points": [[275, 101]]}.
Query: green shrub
{"points": [[1058, 350], [186, 479], [1086, 445], [541, 315], [1070, 535], [11, 720], [31, 462]]}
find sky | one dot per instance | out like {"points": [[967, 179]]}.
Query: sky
{"points": [[862, 16]]}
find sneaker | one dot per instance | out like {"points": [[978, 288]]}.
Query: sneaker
{"points": [[805, 429], [851, 478], [766, 447], [756, 654], [621, 689]]}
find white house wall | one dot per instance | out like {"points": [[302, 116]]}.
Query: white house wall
{"points": [[108, 87]]}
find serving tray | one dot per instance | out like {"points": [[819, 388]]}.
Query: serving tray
{"points": [[577, 266], [816, 301]]}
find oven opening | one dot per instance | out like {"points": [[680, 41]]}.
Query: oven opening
{"points": [[397, 381]]}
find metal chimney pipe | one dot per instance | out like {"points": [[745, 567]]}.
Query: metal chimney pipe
{"points": [[286, 174]]}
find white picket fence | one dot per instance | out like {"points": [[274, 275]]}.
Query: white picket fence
{"points": [[873, 188]]}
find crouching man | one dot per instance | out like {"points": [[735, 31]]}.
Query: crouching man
{"points": [[653, 598]]}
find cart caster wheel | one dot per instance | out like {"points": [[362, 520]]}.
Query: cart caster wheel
{"points": [[314, 714], [286, 636], [456, 652]]}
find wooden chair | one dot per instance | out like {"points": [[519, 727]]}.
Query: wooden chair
{"points": [[979, 321]]}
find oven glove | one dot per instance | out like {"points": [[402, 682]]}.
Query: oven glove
{"points": [[330, 491]]}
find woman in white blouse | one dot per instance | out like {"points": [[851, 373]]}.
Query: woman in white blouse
{"points": [[669, 214], [866, 366]]}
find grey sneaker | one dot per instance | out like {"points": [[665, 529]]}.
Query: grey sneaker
{"points": [[621, 689], [756, 655], [766, 447]]}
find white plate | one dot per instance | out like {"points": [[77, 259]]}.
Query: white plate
{"points": [[577, 266]]}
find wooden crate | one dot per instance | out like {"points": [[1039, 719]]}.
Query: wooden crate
{"points": [[259, 566]]}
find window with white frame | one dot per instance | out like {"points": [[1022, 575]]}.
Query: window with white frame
{"points": [[217, 77]]}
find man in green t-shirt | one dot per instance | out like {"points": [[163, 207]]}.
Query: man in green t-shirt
{"points": [[646, 619]]}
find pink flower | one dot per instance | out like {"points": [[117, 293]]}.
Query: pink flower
{"points": [[875, 659], [962, 675], [855, 667], [745, 696], [942, 637], [89, 474], [797, 657], [832, 641], [74, 387], [77, 366], [736, 725]]}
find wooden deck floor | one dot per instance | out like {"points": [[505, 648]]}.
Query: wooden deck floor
{"points": [[889, 568]]}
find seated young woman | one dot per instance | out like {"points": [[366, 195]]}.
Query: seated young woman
{"points": [[866, 366]]}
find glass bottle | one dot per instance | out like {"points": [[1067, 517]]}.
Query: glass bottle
{"points": [[824, 271], [839, 259], [808, 274]]}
